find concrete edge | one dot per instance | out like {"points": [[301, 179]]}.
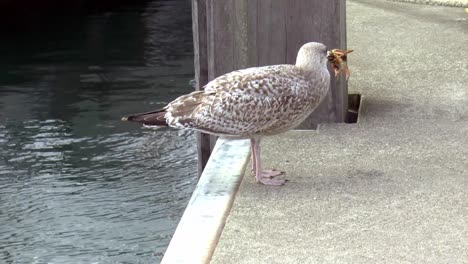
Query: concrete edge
{"points": [[200, 227], [361, 106], [460, 3]]}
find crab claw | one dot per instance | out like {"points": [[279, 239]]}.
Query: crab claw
{"points": [[341, 53], [344, 67]]}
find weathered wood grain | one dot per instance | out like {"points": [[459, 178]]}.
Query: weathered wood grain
{"points": [[204, 146]]}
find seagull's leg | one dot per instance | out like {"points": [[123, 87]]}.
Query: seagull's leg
{"points": [[252, 154], [264, 176], [270, 173]]}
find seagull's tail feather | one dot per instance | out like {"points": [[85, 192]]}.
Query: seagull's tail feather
{"points": [[154, 118]]}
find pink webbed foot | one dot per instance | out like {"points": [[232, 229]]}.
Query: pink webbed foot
{"points": [[271, 173], [263, 176], [266, 178]]}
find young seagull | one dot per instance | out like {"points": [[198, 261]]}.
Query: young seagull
{"points": [[252, 103]]}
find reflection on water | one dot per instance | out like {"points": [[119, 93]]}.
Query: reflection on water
{"points": [[76, 184]]}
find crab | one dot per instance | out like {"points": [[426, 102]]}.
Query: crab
{"points": [[338, 59]]}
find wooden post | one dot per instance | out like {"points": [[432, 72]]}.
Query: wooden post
{"points": [[235, 34], [205, 142]]}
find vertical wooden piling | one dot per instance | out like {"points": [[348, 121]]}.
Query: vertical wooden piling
{"points": [[235, 34], [199, 26]]}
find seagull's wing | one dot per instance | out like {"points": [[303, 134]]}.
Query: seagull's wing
{"points": [[243, 102]]}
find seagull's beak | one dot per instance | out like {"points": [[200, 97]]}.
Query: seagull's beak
{"points": [[330, 56]]}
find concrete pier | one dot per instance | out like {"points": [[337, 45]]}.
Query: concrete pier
{"points": [[399, 193], [392, 188]]}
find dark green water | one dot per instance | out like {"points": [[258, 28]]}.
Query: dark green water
{"points": [[77, 185]]}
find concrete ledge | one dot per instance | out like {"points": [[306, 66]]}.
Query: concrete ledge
{"points": [[391, 188], [201, 225]]}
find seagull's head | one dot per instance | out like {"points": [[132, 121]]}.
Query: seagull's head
{"points": [[312, 55]]}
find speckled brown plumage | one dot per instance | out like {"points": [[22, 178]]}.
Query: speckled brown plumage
{"points": [[266, 100]]}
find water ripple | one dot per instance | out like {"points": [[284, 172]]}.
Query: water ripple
{"points": [[68, 204], [76, 184]]}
